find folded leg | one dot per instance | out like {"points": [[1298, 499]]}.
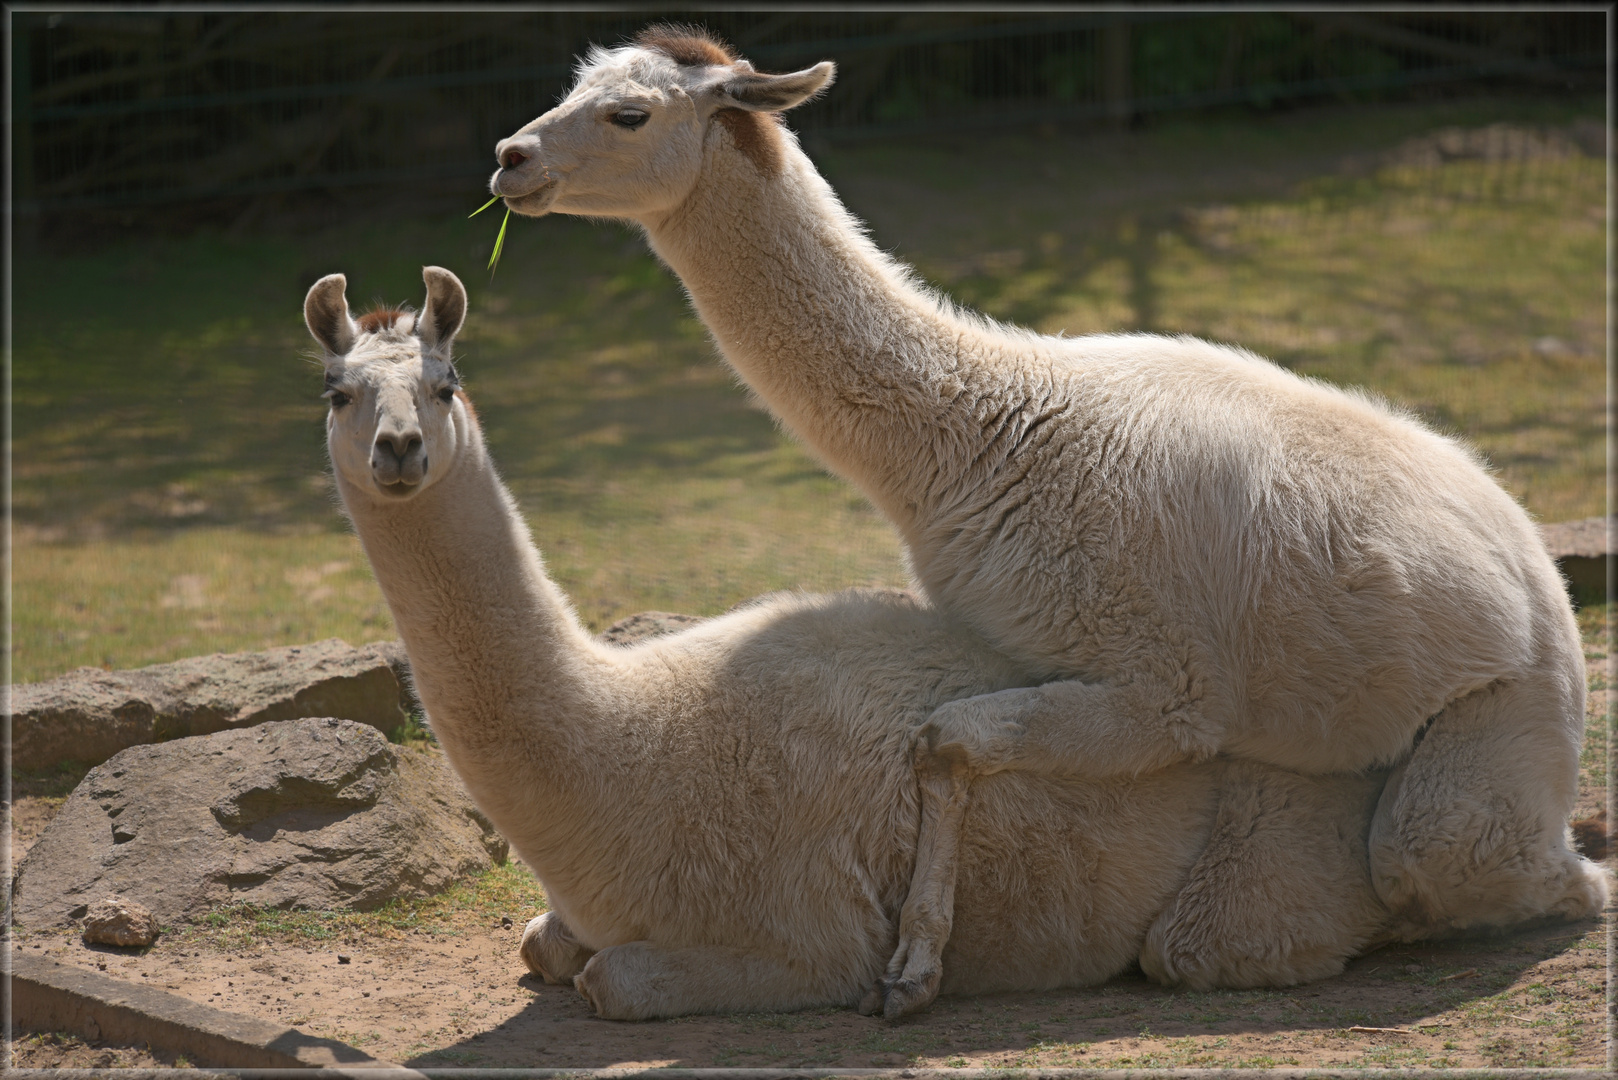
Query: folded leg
{"points": [[1282, 893], [1092, 731], [550, 951], [642, 981], [1472, 830]]}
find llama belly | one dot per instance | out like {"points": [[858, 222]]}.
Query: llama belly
{"points": [[1059, 882]]}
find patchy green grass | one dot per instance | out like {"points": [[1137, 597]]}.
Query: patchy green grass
{"points": [[505, 891], [170, 488]]}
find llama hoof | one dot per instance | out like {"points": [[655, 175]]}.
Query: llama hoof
{"points": [[871, 1003], [903, 997], [980, 733]]}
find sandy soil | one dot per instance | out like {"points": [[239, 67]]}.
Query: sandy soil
{"points": [[460, 998]]}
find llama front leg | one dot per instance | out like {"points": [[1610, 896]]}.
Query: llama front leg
{"points": [[550, 950], [1093, 731], [912, 978], [643, 981]]}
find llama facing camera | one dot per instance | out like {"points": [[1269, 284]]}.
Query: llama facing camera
{"points": [[728, 817]]}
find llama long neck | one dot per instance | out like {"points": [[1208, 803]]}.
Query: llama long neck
{"points": [[855, 360], [512, 685]]}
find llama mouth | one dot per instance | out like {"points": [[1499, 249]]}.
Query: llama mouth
{"points": [[398, 489], [535, 202]]}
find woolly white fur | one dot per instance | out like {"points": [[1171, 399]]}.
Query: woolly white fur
{"points": [[727, 818]]}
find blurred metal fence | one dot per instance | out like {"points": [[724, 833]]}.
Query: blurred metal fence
{"points": [[245, 108]]}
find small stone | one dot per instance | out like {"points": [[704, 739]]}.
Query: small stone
{"points": [[1412, 969], [117, 921], [505, 921], [342, 959]]}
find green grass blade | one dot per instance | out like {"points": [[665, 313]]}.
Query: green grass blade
{"points": [[499, 242], [484, 207]]}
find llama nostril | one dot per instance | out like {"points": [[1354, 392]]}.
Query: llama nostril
{"points": [[400, 446], [513, 159]]}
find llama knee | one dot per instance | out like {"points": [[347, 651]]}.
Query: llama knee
{"points": [[1476, 865], [549, 950]]}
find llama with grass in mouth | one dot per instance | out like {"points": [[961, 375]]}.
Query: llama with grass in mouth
{"points": [[1190, 550]]}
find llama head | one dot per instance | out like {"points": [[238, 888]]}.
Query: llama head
{"points": [[629, 138], [398, 419]]}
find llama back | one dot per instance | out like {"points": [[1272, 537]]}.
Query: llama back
{"points": [[1211, 512]]}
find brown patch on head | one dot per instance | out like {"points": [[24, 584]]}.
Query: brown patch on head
{"points": [[381, 317], [689, 45], [755, 134], [473, 413]]}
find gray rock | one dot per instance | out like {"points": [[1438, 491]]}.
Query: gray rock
{"points": [[89, 714], [1591, 538], [117, 921], [1583, 550], [317, 813], [646, 624]]}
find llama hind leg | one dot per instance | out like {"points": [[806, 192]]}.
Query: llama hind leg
{"points": [[914, 973], [1471, 831], [550, 950], [1281, 893]]}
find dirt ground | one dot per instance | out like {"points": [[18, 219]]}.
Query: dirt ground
{"points": [[460, 997], [456, 995]]}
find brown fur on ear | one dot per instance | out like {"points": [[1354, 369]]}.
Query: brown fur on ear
{"points": [[381, 317], [755, 134]]}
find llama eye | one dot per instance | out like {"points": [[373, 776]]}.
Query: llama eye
{"points": [[447, 394], [337, 398], [630, 118]]}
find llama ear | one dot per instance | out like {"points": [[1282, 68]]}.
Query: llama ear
{"points": [[445, 310], [325, 312], [747, 89]]}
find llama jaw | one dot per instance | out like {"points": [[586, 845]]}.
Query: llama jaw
{"points": [[535, 203]]}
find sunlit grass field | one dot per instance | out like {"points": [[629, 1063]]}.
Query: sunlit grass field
{"points": [[170, 493]]}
